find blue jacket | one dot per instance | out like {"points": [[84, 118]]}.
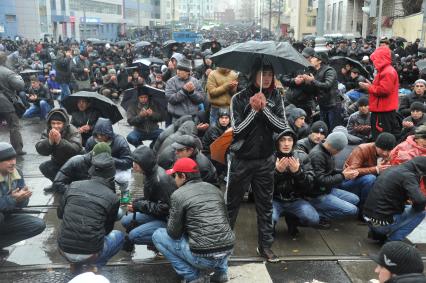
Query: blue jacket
{"points": [[120, 149], [6, 200]]}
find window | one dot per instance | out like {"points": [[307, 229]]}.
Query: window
{"points": [[340, 15], [53, 5], [311, 21], [10, 18], [329, 17], [333, 20], [95, 7]]}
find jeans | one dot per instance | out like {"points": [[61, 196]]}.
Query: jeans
{"points": [[42, 110], [113, 243], [136, 137], [14, 130], [332, 116], [354, 95], [300, 209], [65, 91], [49, 169], [403, 224], [184, 262], [360, 186], [142, 235], [18, 227], [336, 204]]}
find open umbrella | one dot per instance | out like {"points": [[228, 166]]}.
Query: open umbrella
{"points": [[30, 72], [337, 62], [103, 104], [207, 44], [242, 56], [421, 64], [220, 146], [121, 43], [142, 44], [157, 97], [148, 61], [96, 41]]}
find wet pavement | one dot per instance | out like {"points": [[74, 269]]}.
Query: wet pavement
{"points": [[336, 255]]}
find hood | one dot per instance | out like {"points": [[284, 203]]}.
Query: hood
{"points": [[381, 57], [60, 111], [410, 140], [295, 113], [180, 121], [177, 56], [145, 158], [104, 127], [188, 128], [287, 132], [419, 162]]}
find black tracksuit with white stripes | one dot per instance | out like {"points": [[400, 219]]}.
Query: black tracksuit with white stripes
{"points": [[252, 161]]}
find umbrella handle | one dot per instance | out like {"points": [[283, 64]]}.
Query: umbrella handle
{"points": [[261, 78], [284, 114]]}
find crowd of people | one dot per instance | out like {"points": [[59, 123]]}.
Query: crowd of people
{"points": [[311, 147]]}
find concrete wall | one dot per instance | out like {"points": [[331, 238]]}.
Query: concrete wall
{"points": [[409, 27], [10, 27], [28, 18]]}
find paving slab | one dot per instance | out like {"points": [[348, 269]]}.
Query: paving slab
{"points": [[307, 271], [309, 242]]}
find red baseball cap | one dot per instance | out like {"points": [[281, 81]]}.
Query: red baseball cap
{"points": [[184, 165]]}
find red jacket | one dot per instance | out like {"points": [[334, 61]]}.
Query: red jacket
{"points": [[384, 90]]}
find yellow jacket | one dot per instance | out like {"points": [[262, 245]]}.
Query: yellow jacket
{"points": [[217, 87]]}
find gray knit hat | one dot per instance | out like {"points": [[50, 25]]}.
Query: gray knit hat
{"points": [[399, 258], [337, 140], [6, 151]]}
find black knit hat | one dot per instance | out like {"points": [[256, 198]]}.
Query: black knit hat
{"points": [[319, 127], [6, 151], [57, 117], [385, 141], [417, 106], [399, 258], [363, 101]]}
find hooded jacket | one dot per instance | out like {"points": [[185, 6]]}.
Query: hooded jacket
{"points": [[157, 185], [290, 186], [384, 90], [302, 132], [187, 128], [212, 134], [88, 211], [393, 188], [120, 150], [75, 169], [69, 145], [169, 131], [408, 278], [406, 150], [180, 101]]}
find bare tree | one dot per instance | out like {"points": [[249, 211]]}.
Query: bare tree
{"points": [[412, 6]]}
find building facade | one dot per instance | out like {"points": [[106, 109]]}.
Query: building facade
{"points": [[194, 13], [302, 18]]}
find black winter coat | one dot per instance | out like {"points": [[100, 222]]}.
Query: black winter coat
{"points": [[120, 150], [198, 210], [301, 96], [326, 176], [407, 100], [157, 185], [290, 186], [211, 135], [325, 85], [69, 145], [63, 70], [75, 169], [394, 187], [253, 131], [408, 278], [88, 211], [305, 145]]}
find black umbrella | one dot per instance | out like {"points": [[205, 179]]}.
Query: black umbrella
{"points": [[337, 62], [167, 44], [399, 38], [156, 96], [421, 64], [103, 104], [142, 44], [121, 43], [242, 56], [30, 72], [148, 61], [207, 44], [99, 41]]}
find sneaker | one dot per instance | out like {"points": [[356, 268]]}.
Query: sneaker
{"points": [[219, 277], [49, 190], [268, 254], [125, 197], [128, 245]]}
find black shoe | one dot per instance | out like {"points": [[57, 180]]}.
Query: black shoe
{"points": [[219, 277], [323, 224], [292, 226], [128, 245], [49, 189], [377, 237], [268, 254], [20, 152]]}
